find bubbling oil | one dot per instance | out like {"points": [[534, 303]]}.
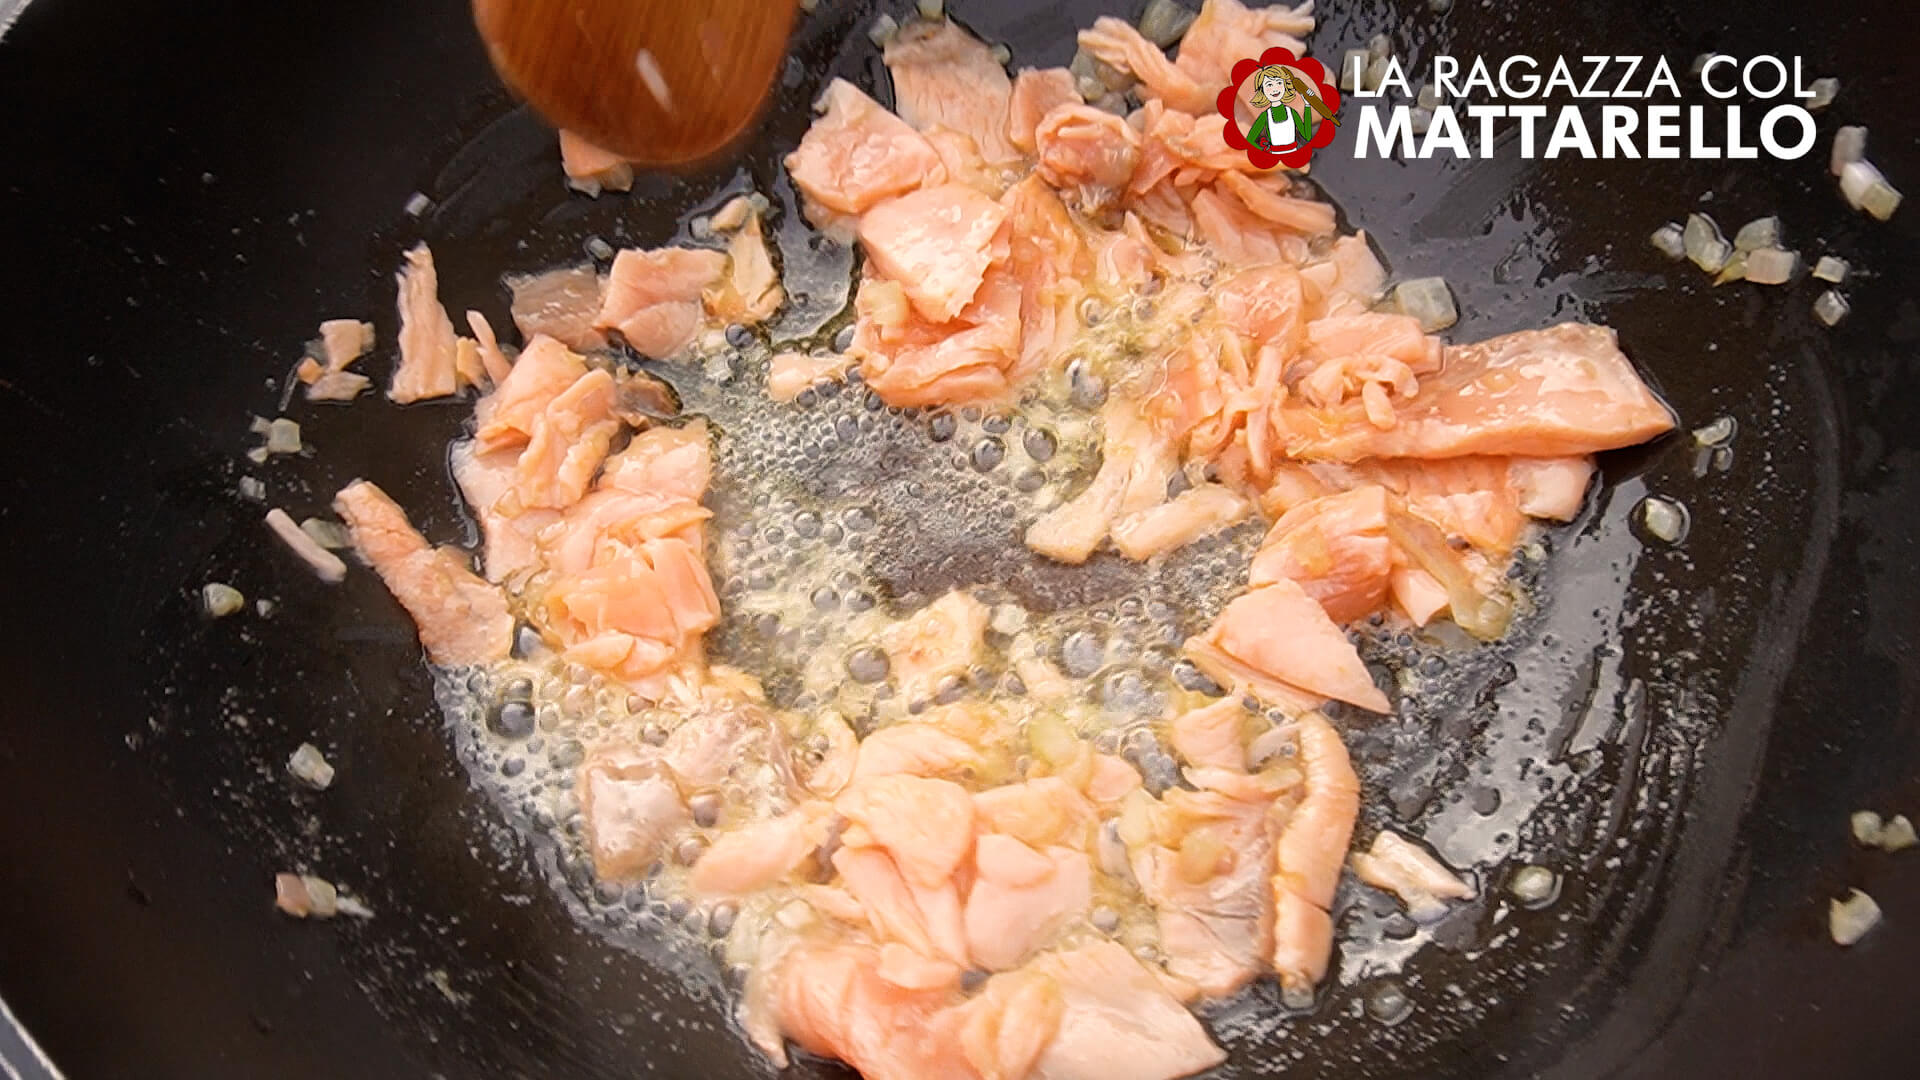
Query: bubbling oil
{"points": [[836, 516]]}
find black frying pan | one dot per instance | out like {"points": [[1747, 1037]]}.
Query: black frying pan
{"points": [[185, 188]]}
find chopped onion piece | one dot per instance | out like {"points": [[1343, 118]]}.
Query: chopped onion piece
{"points": [[259, 425], [1669, 241], [1824, 91], [1380, 46], [253, 488], [1008, 619], [1428, 300], [310, 767], [328, 534], [1855, 178], [1164, 22], [1664, 519], [809, 5], [1081, 67], [1758, 233], [1830, 308], [795, 915], [1718, 433], [1898, 835], [1093, 77], [1429, 96], [1704, 244], [1700, 63], [1880, 198], [1376, 73], [1867, 827], [1849, 145], [1849, 920], [323, 900], [1351, 61], [1115, 79], [931, 9], [883, 30], [1831, 269], [323, 562], [1420, 118], [1485, 616], [1714, 256], [1002, 55], [1771, 266], [283, 437], [1734, 269], [1534, 886], [1112, 851], [221, 600]]}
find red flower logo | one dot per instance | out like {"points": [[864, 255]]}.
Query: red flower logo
{"points": [[1320, 112]]}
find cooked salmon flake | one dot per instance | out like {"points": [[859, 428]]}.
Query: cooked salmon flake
{"points": [[946, 829]]}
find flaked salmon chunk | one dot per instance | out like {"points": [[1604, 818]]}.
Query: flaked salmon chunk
{"points": [[1118, 44], [561, 304], [462, 619], [750, 292], [1020, 897], [1405, 869], [1194, 513], [1116, 1019], [858, 154], [909, 361], [1088, 152], [940, 640], [342, 341], [832, 999], [428, 346], [655, 298], [789, 373], [1036, 93], [1308, 852], [592, 169], [946, 77], [1335, 548], [631, 807], [1561, 391], [1281, 631], [936, 243], [1227, 30]]}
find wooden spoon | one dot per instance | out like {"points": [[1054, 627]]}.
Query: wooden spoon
{"points": [[661, 82]]}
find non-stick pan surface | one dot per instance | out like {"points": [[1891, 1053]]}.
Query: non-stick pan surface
{"points": [[187, 187]]}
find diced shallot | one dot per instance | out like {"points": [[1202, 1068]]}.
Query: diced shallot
{"points": [[1771, 266], [1849, 920], [324, 563]]}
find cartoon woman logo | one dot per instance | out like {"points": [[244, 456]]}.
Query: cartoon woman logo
{"points": [[1293, 109]]}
